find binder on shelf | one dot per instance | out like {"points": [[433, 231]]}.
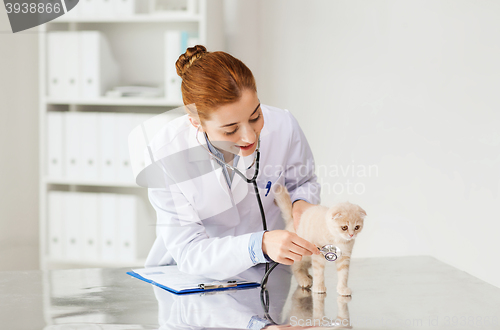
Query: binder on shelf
{"points": [[55, 224], [72, 226], [175, 45], [89, 143], [192, 7], [71, 50], [109, 225], [140, 137], [88, 8], [137, 148], [55, 120], [123, 126], [135, 231], [124, 8], [63, 64], [90, 220], [107, 151], [55, 67], [172, 279], [105, 8], [99, 70], [72, 151], [80, 64], [73, 13]]}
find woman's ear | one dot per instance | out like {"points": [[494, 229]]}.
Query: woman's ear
{"points": [[195, 122]]}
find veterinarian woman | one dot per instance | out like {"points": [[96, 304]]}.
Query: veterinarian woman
{"points": [[208, 218]]}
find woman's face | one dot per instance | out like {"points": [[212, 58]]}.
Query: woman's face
{"points": [[236, 127]]}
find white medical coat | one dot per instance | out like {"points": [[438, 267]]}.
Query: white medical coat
{"points": [[204, 226]]}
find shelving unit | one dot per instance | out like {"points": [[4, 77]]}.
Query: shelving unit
{"points": [[137, 43], [133, 101]]}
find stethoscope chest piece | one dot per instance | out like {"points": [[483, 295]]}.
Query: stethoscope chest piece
{"points": [[330, 252]]}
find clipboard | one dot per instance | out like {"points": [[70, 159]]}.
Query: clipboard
{"points": [[170, 278]]}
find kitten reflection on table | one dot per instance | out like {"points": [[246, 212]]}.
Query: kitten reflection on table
{"points": [[308, 310]]}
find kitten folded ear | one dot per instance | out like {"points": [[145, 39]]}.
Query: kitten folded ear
{"points": [[362, 212], [333, 213]]}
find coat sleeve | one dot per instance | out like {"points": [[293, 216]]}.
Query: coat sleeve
{"points": [[185, 238], [300, 179]]}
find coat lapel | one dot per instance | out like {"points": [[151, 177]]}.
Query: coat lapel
{"points": [[198, 151]]}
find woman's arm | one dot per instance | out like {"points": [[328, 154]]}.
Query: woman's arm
{"points": [[183, 235], [298, 207], [300, 179], [283, 246]]}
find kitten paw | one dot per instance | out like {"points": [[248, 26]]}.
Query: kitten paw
{"points": [[344, 299], [344, 291], [318, 289], [304, 281], [301, 293]]}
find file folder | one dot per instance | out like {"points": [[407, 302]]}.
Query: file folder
{"points": [[105, 8], [55, 65], [135, 230], [124, 7], [72, 225], [56, 212], [108, 155], [88, 8], [108, 210], [99, 70], [90, 233], [70, 49], [170, 278], [89, 141], [72, 148], [175, 45], [55, 120]]}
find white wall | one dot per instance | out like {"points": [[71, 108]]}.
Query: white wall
{"points": [[406, 89], [18, 147]]}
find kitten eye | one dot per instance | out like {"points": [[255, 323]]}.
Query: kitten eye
{"points": [[344, 228], [356, 228]]}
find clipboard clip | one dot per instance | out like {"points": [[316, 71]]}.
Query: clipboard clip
{"points": [[217, 285]]}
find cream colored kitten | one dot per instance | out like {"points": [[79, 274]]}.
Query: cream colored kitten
{"points": [[338, 225]]}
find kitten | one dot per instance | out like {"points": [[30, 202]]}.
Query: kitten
{"points": [[338, 225]]}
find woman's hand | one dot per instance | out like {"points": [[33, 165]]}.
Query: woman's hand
{"points": [[298, 207], [286, 247]]}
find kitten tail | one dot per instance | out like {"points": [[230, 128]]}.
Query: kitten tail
{"points": [[282, 199]]}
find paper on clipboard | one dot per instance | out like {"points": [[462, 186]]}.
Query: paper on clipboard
{"points": [[172, 279]]}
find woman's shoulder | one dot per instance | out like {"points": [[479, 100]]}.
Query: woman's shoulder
{"points": [[172, 134], [275, 111], [277, 119]]}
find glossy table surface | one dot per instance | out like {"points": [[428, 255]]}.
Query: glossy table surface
{"points": [[388, 293]]}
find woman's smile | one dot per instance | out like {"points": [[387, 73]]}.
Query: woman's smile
{"points": [[247, 147]]}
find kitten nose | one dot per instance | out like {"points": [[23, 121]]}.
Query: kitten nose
{"points": [[351, 235]]}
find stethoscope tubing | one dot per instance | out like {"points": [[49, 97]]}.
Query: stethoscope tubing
{"points": [[253, 180]]}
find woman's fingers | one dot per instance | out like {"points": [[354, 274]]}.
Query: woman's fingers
{"points": [[286, 247], [287, 261], [306, 245], [300, 250]]}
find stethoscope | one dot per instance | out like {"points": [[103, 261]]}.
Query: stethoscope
{"points": [[253, 180], [330, 252]]}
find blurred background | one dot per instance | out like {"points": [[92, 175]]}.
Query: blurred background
{"points": [[398, 100]]}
